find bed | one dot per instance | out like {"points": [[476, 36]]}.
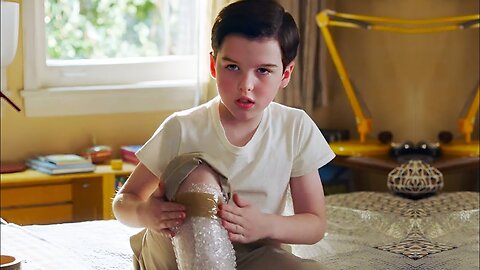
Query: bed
{"points": [[366, 230]]}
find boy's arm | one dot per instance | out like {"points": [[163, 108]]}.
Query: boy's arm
{"points": [[308, 224], [140, 203], [245, 223]]}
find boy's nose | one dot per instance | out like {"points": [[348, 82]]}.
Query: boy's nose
{"points": [[246, 84]]}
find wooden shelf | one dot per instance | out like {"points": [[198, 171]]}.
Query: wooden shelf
{"points": [[385, 163], [32, 197]]}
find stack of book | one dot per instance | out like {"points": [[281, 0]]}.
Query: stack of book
{"points": [[128, 153], [61, 164]]}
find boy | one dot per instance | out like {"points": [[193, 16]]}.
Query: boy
{"points": [[240, 141]]}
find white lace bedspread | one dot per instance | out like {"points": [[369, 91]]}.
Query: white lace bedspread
{"points": [[101, 244], [365, 231]]}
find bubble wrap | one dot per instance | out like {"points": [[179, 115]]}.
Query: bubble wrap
{"points": [[202, 243]]}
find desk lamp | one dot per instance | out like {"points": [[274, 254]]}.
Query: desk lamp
{"points": [[405, 26], [9, 40], [466, 147]]}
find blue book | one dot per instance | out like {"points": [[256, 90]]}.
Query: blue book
{"points": [[65, 159], [50, 168]]}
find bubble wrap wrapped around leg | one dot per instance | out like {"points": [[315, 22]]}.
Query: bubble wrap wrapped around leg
{"points": [[201, 242]]}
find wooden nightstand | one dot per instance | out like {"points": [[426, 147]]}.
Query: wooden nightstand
{"points": [[31, 197]]}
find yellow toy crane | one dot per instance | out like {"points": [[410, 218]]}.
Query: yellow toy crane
{"points": [[466, 124], [328, 18], [467, 147]]}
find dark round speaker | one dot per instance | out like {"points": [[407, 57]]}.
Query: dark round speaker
{"points": [[385, 137], [445, 136]]}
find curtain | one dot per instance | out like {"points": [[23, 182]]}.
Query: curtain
{"points": [[305, 88]]}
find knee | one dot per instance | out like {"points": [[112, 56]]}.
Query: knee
{"points": [[200, 192], [202, 174]]}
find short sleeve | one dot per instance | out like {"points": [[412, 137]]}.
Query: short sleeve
{"points": [[162, 147], [313, 150]]}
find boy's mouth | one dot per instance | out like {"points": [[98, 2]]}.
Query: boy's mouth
{"points": [[245, 102]]}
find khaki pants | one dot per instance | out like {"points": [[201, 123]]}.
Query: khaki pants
{"points": [[155, 251]]}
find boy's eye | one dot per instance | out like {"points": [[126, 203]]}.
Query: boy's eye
{"points": [[264, 71], [232, 67]]}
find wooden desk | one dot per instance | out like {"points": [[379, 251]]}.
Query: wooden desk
{"points": [[384, 163], [32, 197]]}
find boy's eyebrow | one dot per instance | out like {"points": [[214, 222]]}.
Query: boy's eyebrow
{"points": [[226, 58], [269, 65]]}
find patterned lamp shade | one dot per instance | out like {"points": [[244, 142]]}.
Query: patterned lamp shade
{"points": [[415, 179], [8, 36]]}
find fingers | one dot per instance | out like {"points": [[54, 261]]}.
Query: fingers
{"points": [[230, 214], [171, 206], [233, 209], [173, 215], [240, 238], [232, 227], [235, 232], [232, 219], [166, 221], [240, 202], [166, 224], [164, 215]]}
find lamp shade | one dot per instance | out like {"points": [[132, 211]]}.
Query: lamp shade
{"points": [[9, 35]]}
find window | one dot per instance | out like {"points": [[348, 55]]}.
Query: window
{"points": [[109, 56]]}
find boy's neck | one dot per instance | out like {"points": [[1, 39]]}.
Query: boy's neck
{"points": [[238, 132]]}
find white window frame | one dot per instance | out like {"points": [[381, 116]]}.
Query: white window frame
{"points": [[163, 84]]}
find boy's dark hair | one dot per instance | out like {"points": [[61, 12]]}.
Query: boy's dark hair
{"points": [[257, 19]]}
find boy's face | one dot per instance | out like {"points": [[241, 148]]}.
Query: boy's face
{"points": [[249, 74]]}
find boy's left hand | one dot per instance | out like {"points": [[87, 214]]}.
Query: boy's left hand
{"points": [[243, 221]]}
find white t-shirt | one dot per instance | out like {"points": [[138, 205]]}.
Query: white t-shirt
{"points": [[286, 144]]}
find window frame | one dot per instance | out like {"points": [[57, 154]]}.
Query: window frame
{"points": [[162, 84]]}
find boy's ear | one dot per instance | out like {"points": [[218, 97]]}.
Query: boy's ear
{"points": [[213, 72], [287, 74]]}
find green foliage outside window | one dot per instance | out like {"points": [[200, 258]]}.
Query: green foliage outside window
{"points": [[99, 29]]}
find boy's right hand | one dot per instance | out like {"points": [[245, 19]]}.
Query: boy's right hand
{"points": [[160, 215]]}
